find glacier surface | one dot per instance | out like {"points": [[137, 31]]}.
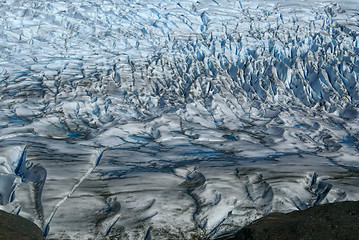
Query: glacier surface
{"points": [[175, 119]]}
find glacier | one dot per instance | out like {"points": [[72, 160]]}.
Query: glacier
{"points": [[164, 119]]}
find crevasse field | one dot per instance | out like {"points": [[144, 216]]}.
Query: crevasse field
{"points": [[128, 119]]}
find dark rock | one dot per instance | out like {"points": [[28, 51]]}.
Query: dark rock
{"points": [[335, 221], [16, 227]]}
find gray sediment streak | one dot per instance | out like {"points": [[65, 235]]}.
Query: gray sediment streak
{"points": [[73, 189]]}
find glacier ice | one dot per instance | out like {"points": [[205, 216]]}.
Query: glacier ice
{"points": [[168, 119]]}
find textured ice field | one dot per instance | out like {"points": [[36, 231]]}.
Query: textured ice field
{"points": [[175, 119]]}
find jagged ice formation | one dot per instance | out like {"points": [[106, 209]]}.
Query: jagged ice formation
{"points": [[171, 119]]}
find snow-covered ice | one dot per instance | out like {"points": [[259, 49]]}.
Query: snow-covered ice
{"points": [[175, 119]]}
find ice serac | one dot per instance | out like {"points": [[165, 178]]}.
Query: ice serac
{"points": [[180, 120], [16, 169]]}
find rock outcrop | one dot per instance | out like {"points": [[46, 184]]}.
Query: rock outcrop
{"points": [[334, 221], [16, 227]]}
